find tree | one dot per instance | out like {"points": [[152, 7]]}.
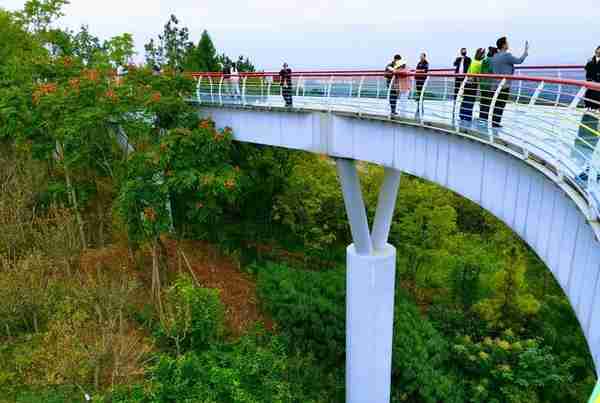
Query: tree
{"points": [[203, 57], [172, 48], [86, 46], [37, 15], [120, 49], [422, 238], [510, 303]]}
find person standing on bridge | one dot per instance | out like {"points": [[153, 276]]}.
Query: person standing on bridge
{"points": [[504, 64], [235, 81], [461, 66], [399, 85], [587, 136], [422, 68], [592, 73], [486, 86], [471, 87], [285, 80]]}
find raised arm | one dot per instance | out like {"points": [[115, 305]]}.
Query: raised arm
{"points": [[517, 60]]}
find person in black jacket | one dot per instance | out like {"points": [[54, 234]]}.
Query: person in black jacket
{"points": [[285, 77], [587, 139], [592, 73], [461, 66], [422, 67]]}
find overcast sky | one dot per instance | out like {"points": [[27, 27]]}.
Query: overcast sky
{"points": [[353, 33]]}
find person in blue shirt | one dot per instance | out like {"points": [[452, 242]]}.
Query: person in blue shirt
{"points": [[503, 63]]}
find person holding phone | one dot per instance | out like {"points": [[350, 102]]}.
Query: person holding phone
{"points": [[503, 63]]}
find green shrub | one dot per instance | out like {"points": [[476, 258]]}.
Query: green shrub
{"points": [[309, 306], [508, 369], [257, 368], [193, 317]]}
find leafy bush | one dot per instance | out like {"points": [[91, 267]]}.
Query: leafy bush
{"points": [[193, 317], [420, 360], [257, 368], [309, 306], [509, 370]]}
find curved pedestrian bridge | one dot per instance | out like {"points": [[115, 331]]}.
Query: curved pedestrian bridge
{"points": [[539, 172]]}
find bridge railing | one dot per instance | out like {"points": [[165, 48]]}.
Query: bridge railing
{"points": [[549, 120]]}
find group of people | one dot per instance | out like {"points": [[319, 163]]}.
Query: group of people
{"points": [[497, 60]]}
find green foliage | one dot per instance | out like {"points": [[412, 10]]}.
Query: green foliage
{"points": [[309, 306], [312, 207], [420, 359], [257, 368], [172, 46], [120, 49], [203, 57], [510, 370], [510, 303], [193, 317], [37, 15]]}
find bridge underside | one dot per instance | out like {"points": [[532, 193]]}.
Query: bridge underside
{"points": [[523, 192]]}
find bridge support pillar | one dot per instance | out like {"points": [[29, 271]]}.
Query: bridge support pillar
{"points": [[369, 324], [370, 282]]}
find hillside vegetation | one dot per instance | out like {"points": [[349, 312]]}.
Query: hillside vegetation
{"points": [[146, 257]]}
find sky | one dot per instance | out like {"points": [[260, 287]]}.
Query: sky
{"points": [[346, 34]]}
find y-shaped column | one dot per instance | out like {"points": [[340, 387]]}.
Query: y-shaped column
{"points": [[370, 278]]}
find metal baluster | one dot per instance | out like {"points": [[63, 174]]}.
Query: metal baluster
{"points": [[494, 99], [360, 86], [458, 101], [559, 90], [221, 90], [269, 83], [199, 90], [244, 90], [445, 96], [536, 94], [421, 101], [298, 81], [329, 99], [520, 88]]}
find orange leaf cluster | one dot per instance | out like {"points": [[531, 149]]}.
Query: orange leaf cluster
{"points": [[43, 89], [110, 94], [67, 61], [150, 214], [205, 124], [155, 98], [91, 74], [229, 184]]}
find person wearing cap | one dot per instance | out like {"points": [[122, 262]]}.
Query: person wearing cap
{"points": [[285, 77]]}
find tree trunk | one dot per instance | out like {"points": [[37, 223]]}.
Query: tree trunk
{"points": [[100, 225], [74, 202]]}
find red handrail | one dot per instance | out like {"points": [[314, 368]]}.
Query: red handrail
{"points": [[431, 73], [441, 70]]}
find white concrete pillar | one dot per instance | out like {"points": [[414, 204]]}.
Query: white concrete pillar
{"points": [[369, 324]]}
